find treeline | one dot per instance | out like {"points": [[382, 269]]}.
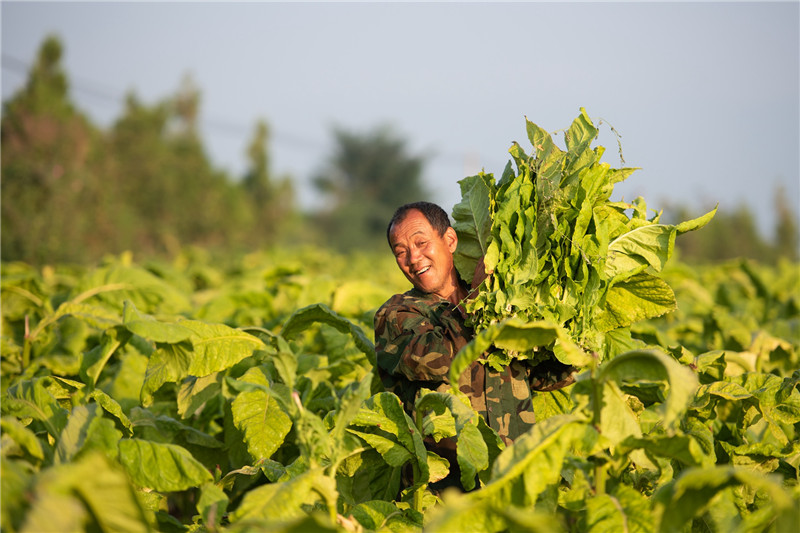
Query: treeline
{"points": [[73, 192]]}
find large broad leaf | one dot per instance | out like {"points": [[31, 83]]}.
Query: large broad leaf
{"points": [[683, 448], [640, 297], [384, 516], [647, 367], [114, 284], [74, 434], [196, 392], [164, 428], [21, 436], [155, 330], [472, 222], [524, 470], [466, 513], [301, 319], [624, 510], [161, 467], [383, 415], [259, 416], [472, 452], [210, 348], [644, 246], [93, 361], [31, 399], [518, 335], [90, 494], [281, 501], [212, 505], [685, 498]]}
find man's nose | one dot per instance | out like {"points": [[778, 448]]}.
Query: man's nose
{"points": [[413, 256]]}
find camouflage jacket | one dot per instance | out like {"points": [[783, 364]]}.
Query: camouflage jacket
{"points": [[417, 335]]}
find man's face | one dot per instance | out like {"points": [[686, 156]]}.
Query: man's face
{"points": [[424, 256]]}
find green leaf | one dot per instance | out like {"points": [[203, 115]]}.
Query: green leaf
{"points": [[353, 298], [472, 222], [697, 223], [90, 494], [93, 361], [212, 505], [111, 406], [195, 392], [15, 484], [644, 246], [680, 447], [516, 334], [303, 318], [378, 515], [210, 348], [547, 404], [259, 416], [383, 414], [149, 328], [31, 399], [641, 297], [617, 419], [161, 467], [650, 366], [22, 436], [168, 429], [685, 498], [115, 284], [472, 452], [390, 449], [72, 438], [625, 510], [538, 455], [278, 501]]}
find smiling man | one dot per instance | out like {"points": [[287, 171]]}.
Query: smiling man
{"points": [[418, 333]]}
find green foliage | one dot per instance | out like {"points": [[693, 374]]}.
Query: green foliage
{"points": [[560, 250], [73, 192], [198, 396], [268, 416]]}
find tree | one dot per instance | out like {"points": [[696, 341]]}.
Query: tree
{"points": [[787, 236], [51, 192], [271, 200], [366, 178], [170, 188]]}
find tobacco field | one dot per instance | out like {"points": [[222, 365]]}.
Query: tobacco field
{"points": [[212, 395]]}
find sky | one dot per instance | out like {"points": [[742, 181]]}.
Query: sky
{"points": [[704, 97]]}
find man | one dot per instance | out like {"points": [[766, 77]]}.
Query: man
{"points": [[418, 333]]}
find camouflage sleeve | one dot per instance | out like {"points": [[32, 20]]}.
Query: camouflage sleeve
{"points": [[409, 344]]}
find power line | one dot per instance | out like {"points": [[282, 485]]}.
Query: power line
{"points": [[103, 92], [213, 125]]}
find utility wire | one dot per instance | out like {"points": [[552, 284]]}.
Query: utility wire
{"points": [[214, 125]]}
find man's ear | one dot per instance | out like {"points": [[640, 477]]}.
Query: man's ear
{"points": [[451, 237]]}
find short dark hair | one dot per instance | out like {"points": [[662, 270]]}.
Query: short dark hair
{"points": [[436, 216]]}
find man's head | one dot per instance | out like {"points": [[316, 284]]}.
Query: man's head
{"points": [[424, 249], [437, 217]]}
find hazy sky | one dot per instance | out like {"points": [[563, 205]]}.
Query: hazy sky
{"points": [[705, 96]]}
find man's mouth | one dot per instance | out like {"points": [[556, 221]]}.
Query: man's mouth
{"points": [[422, 270]]}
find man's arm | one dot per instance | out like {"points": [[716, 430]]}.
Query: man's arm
{"points": [[410, 344]]}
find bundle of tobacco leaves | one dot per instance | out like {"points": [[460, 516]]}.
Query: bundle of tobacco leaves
{"points": [[570, 269]]}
